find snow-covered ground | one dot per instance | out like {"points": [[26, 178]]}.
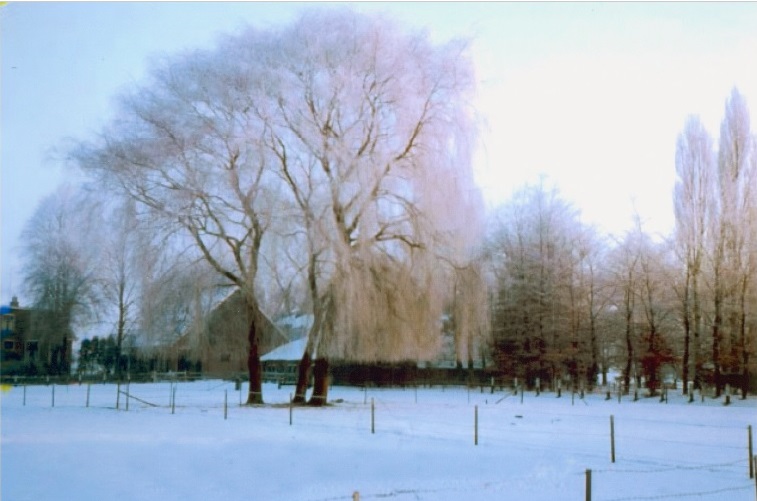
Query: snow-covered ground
{"points": [[423, 446]]}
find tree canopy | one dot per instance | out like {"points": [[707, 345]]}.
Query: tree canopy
{"points": [[347, 129]]}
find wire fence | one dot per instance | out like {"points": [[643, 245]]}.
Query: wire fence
{"points": [[732, 468], [470, 418]]}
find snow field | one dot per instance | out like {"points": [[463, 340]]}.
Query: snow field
{"points": [[423, 446]]}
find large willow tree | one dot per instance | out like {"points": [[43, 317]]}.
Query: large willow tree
{"points": [[372, 131], [344, 131]]}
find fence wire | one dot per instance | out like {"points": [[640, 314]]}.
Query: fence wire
{"points": [[681, 495]]}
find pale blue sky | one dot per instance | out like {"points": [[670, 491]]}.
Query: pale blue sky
{"points": [[591, 94]]}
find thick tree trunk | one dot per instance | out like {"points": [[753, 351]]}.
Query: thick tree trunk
{"points": [[303, 376], [320, 306], [320, 382], [303, 371], [255, 393]]}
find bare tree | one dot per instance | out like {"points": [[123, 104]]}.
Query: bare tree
{"points": [[734, 262], [654, 298], [693, 201], [644, 272], [538, 319], [186, 146], [590, 298], [371, 129], [624, 262], [59, 274], [367, 128], [117, 278]]}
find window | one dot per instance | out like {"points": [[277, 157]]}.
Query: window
{"points": [[31, 349], [8, 322]]}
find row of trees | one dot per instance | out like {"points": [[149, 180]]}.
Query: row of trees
{"points": [[329, 171], [716, 242], [569, 304]]}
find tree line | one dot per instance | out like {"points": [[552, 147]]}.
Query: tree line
{"points": [[326, 167], [569, 304]]}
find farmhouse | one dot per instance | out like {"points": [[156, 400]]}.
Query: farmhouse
{"points": [[217, 344]]}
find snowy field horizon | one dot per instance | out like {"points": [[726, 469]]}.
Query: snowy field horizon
{"points": [[441, 444]]}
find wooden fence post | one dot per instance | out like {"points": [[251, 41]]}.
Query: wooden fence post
{"points": [[588, 485], [225, 404], [89, 385], [373, 417], [475, 426], [751, 452], [53, 402], [612, 438]]}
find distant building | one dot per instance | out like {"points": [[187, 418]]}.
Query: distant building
{"points": [[218, 344], [27, 347]]}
